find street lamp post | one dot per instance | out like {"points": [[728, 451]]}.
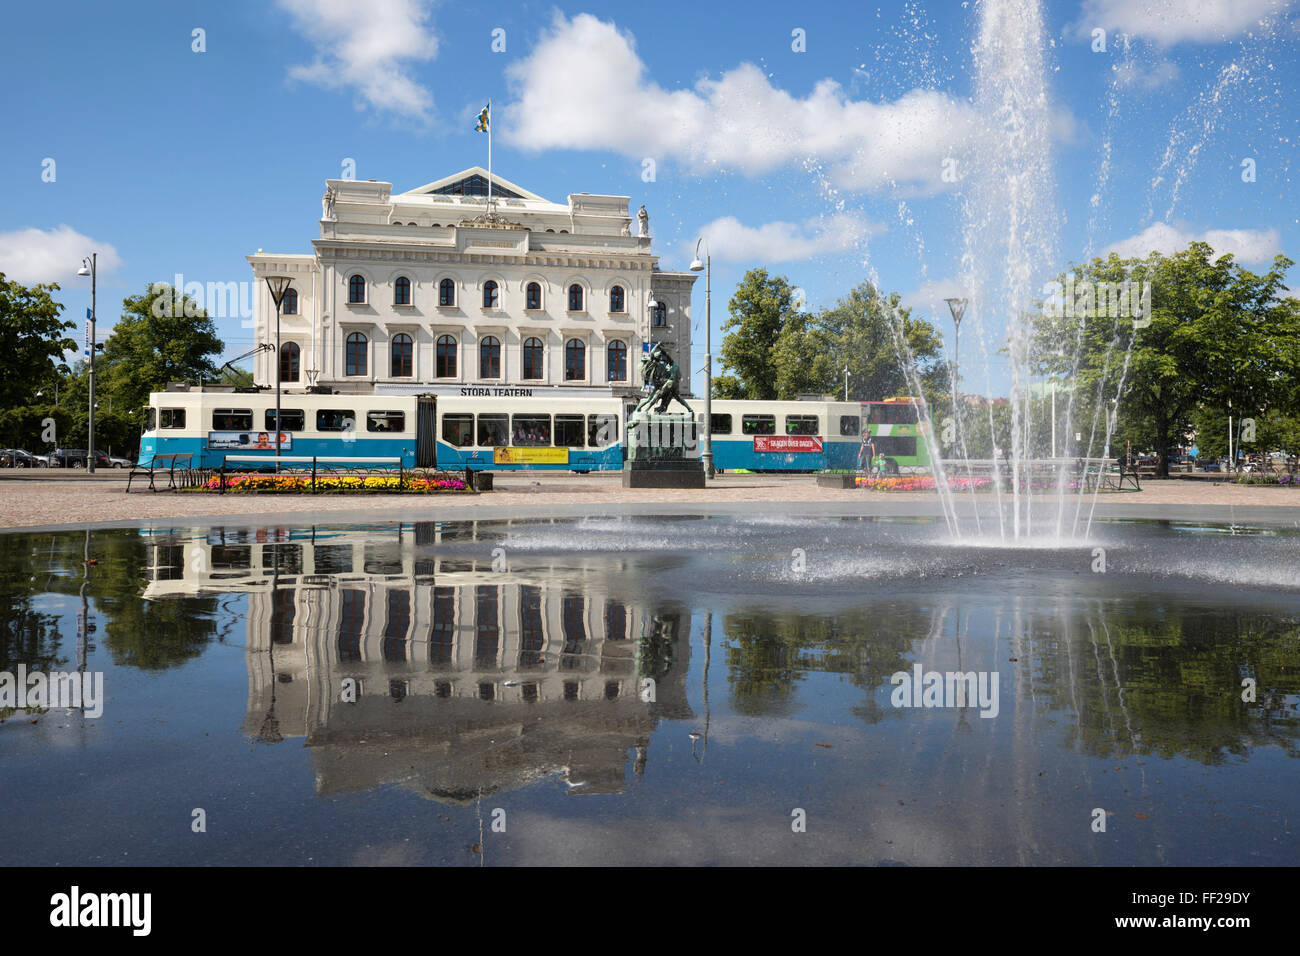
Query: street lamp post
{"points": [[278, 285], [89, 267], [707, 266], [958, 308]]}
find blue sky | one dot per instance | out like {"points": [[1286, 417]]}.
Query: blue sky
{"points": [[825, 164]]}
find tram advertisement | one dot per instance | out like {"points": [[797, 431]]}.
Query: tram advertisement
{"points": [[787, 443], [248, 441], [530, 456]]}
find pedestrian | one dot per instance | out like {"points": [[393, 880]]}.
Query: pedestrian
{"points": [[864, 453]]}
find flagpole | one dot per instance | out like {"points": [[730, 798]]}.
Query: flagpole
{"points": [[489, 132]]}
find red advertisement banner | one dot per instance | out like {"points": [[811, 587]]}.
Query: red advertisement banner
{"points": [[787, 443]]}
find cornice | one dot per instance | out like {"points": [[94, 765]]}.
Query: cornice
{"points": [[335, 250]]}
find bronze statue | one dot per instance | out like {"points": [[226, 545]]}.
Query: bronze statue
{"points": [[662, 374]]}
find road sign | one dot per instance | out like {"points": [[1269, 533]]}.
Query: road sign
{"points": [[1193, 451]]}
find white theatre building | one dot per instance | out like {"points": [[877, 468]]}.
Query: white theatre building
{"points": [[429, 291]]}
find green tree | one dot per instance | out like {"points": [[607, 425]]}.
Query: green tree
{"points": [[33, 341], [759, 310], [870, 334], [1217, 333]]}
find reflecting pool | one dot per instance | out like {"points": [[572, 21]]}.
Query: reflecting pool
{"points": [[653, 690]]}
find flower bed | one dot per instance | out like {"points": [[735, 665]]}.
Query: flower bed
{"points": [[1286, 481], [920, 483], [333, 483]]}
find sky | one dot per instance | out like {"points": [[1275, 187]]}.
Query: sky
{"points": [[827, 142]]}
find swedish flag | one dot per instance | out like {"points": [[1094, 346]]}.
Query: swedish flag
{"points": [[483, 118]]}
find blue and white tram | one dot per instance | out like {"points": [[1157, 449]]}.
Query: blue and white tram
{"points": [[785, 436], [485, 434], [482, 433]]}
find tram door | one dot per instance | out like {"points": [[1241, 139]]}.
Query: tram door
{"points": [[426, 432]]}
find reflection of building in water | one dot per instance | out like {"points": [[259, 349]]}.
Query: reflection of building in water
{"points": [[400, 664]]}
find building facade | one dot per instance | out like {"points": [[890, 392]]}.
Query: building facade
{"points": [[432, 291]]}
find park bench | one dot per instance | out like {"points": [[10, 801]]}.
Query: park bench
{"points": [[179, 470]]}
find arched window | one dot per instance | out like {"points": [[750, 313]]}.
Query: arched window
{"points": [[616, 299], [403, 355], [289, 304], [357, 289], [575, 298], [490, 294], [402, 291], [533, 296], [575, 360], [356, 357], [289, 354], [489, 357], [617, 354], [446, 364], [533, 354], [659, 315], [446, 292]]}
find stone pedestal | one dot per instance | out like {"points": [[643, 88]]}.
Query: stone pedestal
{"points": [[663, 451]]}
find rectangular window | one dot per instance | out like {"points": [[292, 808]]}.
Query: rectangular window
{"points": [[892, 413], [332, 559], [295, 419], [385, 421], [531, 430], [568, 431], [458, 429], [850, 424], [493, 431], [150, 419], [335, 419], [602, 430], [173, 418], [801, 425], [758, 425], [232, 419], [720, 424], [899, 446]]}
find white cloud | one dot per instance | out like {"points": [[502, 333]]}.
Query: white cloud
{"points": [[1167, 22], [368, 47], [928, 298], [730, 240], [33, 256], [1158, 74], [1247, 245], [585, 87]]}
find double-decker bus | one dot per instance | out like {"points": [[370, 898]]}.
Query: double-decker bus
{"points": [[899, 426]]}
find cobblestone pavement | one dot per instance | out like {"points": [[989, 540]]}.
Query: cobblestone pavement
{"points": [[67, 501]]}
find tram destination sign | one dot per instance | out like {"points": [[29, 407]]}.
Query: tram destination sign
{"points": [[495, 391]]}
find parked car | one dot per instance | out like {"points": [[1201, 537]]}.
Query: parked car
{"points": [[76, 458], [18, 458], [112, 461]]}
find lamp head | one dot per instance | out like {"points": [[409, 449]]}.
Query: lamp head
{"points": [[697, 265], [278, 285], [83, 271]]}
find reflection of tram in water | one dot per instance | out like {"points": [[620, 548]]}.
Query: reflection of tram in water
{"points": [[384, 649], [485, 433]]}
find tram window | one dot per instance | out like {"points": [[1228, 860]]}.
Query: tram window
{"points": [[295, 419], [232, 419], [902, 446], [385, 421], [801, 425], [892, 413], [531, 430], [150, 418], [568, 431], [172, 418], [493, 430], [758, 424], [335, 419], [458, 429], [850, 425], [602, 430], [719, 424]]}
